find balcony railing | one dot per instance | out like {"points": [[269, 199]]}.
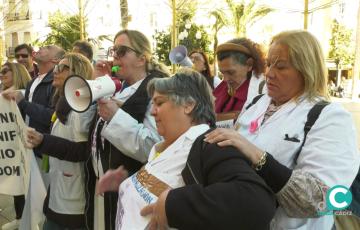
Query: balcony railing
{"points": [[18, 16]]}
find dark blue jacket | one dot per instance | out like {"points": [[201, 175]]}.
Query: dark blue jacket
{"points": [[40, 109]]}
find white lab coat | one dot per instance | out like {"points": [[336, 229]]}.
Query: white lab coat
{"points": [[330, 152], [67, 179], [253, 89], [132, 138], [167, 167]]}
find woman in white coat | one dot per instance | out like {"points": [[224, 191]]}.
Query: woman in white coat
{"points": [[270, 133], [64, 205]]}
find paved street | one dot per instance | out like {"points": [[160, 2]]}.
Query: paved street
{"points": [[354, 108], [7, 212]]}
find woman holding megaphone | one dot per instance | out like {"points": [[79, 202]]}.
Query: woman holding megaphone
{"points": [[122, 132], [64, 204]]}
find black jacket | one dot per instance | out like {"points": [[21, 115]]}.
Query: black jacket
{"points": [[222, 192], [40, 109]]}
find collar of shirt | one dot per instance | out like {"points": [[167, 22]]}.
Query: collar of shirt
{"points": [[41, 76], [127, 92], [186, 138]]}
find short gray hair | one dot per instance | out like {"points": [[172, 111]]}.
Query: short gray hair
{"points": [[187, 86], [57, 52]]}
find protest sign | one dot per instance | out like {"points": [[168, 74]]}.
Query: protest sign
{"points": [[12, 151], [19, 172]]}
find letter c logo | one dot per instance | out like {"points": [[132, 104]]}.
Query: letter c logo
{"points": [[338, 198]]}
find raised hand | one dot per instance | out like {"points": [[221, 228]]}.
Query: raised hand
{"points": [[111, 180], [102, 68], [107, 108]]}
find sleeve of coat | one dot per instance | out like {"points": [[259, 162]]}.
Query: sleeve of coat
{"points": [[235, 197], [64, 149], [40, 113], [132, 138]]}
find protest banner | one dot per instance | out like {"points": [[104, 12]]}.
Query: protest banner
{"points": [[12, 152], [19, 173]]}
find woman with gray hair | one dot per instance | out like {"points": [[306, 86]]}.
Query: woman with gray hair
{"points": [[186, 183], [299, 162]]}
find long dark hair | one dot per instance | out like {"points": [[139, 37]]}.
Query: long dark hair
{"points": [[206, 72]]}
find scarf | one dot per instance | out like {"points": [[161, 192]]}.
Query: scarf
{"points": [[226, 103]]}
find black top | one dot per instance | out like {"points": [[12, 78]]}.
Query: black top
{"points": [[222, 192]]}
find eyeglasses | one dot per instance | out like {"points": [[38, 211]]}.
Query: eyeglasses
{"points": [[120, 51], [4, 71], [17, 56], [60, 68]]}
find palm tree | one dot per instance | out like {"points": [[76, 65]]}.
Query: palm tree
{"points": [[124, 10], [220, 22], [246, 15]]}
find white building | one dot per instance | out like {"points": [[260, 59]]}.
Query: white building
{"points": [[24, 21]]}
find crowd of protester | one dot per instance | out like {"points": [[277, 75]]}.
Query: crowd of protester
{"points": [[152, 156]]}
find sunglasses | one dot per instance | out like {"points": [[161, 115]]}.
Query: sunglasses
{"points": [[60, 68], [17, 56], [120, 51], [4, 71]]}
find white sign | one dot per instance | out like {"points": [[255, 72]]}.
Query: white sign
{"points": [[12, 150]]}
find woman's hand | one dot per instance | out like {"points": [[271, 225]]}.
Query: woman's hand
{"points": [[11, 94], [107, 108], [111, 180], [158, 213], [102, 68], [33, 138], [224, 137], [230, 137]]}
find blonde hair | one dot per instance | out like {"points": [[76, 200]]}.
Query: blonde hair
{"points": [[79, 65], [142, 46], [20, 75], [306, 56]]}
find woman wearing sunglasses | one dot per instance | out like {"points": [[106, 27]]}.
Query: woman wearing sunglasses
{"points": [[123, 131], [129, 131], [64, 204], [14, 76]]}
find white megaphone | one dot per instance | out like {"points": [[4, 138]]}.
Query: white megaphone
{"points": [[81, 93], [178, 55]]}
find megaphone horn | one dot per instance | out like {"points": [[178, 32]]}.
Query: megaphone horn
{"points": [[178, 55], [81, 93]]}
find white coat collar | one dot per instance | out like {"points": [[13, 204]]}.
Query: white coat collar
{"points": [[189, 136]]}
